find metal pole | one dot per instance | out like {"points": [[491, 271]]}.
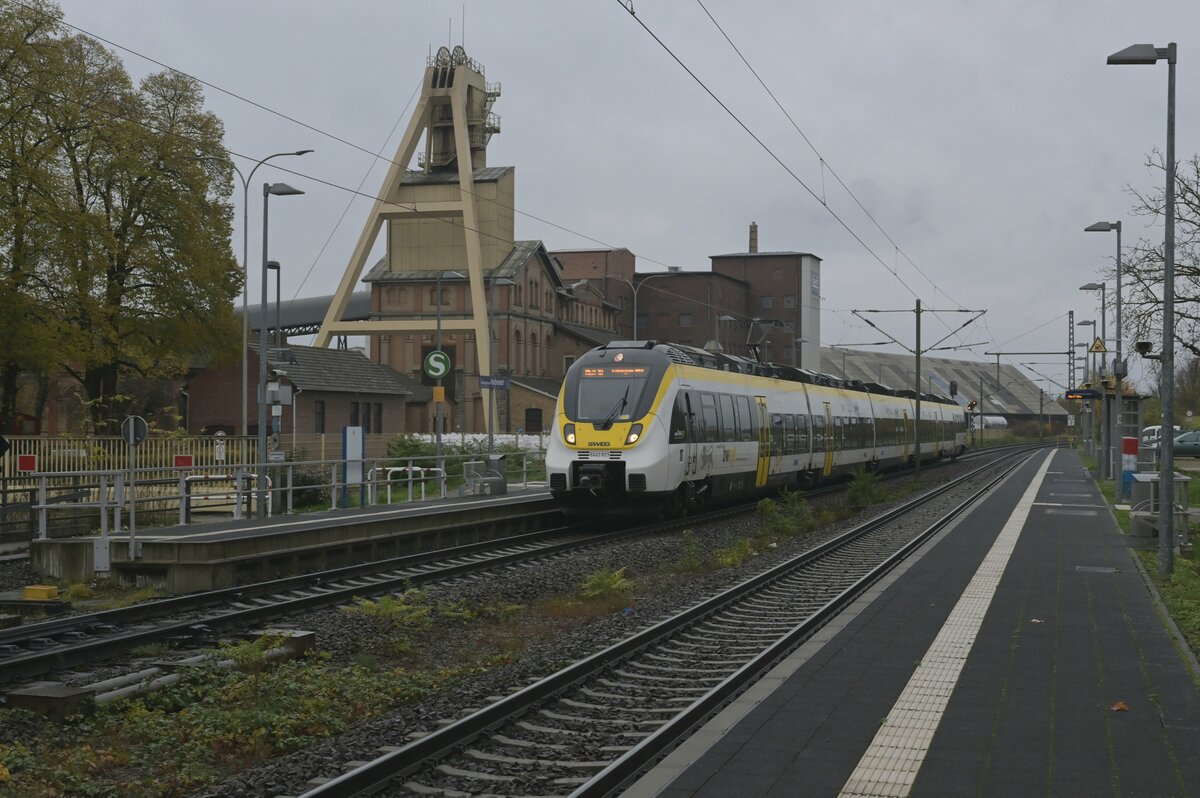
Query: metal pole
{"points": [[245, 300], [278, 329], [437, 405], [491, 408], [262, 370], [1117, 379], [917, 384], [1166, 525]]}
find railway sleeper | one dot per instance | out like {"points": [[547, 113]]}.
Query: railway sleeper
{"points": [[515, 743], [449, 770], [441, 792], [552, 715], [682, 699], [716, 663], [484, 756], [690, 690], [652, 678], [570, 702], [711, 674]]}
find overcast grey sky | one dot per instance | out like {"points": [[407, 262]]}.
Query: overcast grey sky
{"points": [[982, 136]]}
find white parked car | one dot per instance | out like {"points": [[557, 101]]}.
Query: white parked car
{"points": [[1152, 435]]}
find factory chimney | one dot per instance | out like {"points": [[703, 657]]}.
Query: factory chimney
{"points": [[753, 237]]}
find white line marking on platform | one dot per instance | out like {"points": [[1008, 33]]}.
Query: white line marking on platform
{"points": [[891, 762]]}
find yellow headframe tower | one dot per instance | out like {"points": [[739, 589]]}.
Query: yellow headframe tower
{"points": [[439, 218]]}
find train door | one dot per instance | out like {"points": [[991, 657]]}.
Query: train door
{"points": [[764, 442], [829, 442], [905, 438], [691, 405]]}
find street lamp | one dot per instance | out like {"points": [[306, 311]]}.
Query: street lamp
{"points": [[796, 345], [1107, 466], [279, 190], [1118, 363], [273, 265], [491, 416], [635, 287], [246, 274], [722, 318], [1149, 54]]}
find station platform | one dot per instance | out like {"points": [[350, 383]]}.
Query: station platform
{"points": [[1021, 653], [218, 554]]}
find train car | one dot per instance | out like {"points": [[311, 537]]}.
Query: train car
{"points": [[645, 424]]}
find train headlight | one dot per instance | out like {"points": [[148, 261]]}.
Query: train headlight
{"points": [[635, 432], [569, 433]]}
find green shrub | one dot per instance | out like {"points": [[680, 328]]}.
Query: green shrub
{"points": [[606, 585], [864, 490]]}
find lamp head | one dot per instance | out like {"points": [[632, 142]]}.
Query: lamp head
{"points": [[273, 265], [1092, 287], [1101, 227], [302, 152], [282, 190], [1135, 54]]}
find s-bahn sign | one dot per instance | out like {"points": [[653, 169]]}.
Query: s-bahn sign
{"points": [[437, 365]]}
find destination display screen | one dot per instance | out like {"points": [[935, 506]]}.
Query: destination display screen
{"points": [[626, 372]]}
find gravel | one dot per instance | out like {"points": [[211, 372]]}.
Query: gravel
{"points": [[347, 636]]}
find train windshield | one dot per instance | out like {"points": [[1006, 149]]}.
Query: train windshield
{"points": [[608, 394]]}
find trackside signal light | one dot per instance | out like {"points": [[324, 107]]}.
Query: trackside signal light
{"points": [[971, 405], [569, 434], [635, 432]]}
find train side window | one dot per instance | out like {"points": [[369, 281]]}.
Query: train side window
{"points": [[712, 424], [802, 434], [777, 433], [679, 420], [728, 418], [839, 432], [745, 425], [868, 433], [819, 442], [790, 423]]}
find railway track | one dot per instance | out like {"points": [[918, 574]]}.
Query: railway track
{"points": [[594, 725], [40, 648]]}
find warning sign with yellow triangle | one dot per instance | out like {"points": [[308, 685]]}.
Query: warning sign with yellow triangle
{"points": [[1098, 347]]}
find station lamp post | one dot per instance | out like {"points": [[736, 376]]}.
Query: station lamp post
{"points": [[246, 277], [279, 190], [1118, 363], [1107, 464], [1149, 54], [273, 265]]}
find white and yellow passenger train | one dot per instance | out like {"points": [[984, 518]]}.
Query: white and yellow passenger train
{"points": [[644, 423]]}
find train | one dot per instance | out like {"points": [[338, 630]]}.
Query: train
{"points": [[669, 427]]}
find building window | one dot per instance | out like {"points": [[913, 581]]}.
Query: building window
{"points": [[354, 414], [789, 301], [366, 416], [319, 415], [768, 302], [379, 417], [568, 361], [685, 319]]}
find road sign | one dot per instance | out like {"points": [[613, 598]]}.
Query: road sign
{"points": [[134, 430], [1098, 347], [184, 460], [496, 383], [1070, 421], [439, 393], [27, 462], [276, 457], [273, 442], [437, 364]]}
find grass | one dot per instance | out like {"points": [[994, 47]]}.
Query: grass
{"points": [[105, 594], [1181, 593]]}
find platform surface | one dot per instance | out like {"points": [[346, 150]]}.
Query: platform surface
{"points": [[1021, 654]]}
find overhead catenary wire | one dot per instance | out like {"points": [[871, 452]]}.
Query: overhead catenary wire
{"points": [[628, 7]]}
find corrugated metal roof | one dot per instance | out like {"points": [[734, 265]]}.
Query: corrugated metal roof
{"points": [[488, 174], [1017, 395], [343, 371], [511, 266], [300, 315]]}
